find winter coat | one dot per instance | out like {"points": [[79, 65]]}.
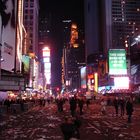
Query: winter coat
{"points": [[68, 130], [129, 108]]}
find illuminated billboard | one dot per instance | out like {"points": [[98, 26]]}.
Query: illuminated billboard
{"points": [[26, 61], [47, 64], [48, 78], [135, 74], [46, 59], [83, 77], [8, 33], [46, 53], [121, 82], [117, 62]]}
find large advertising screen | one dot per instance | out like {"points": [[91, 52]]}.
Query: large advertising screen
{"points": [[135, 74], [121, 82], [117, 62], [26, 61], [7, 33], [83, 77]]}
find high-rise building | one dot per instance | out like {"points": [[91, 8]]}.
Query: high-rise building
{"points": [[45, 42], [31, 24], [73, 55], [111, 24], [31, 15], [44, 28], [125, 21], [12, 36], [108, 23]]}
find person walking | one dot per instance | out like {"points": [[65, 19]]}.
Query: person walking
{"points": [[103, 106], [77, 122], [73, 105], [129, 109], [68, 128], [116, 105], [122, 106], [81, 104]]}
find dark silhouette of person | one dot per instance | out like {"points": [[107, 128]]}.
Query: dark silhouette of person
{"points": [[116, 105], [81, 104], [68, 128], [122, 106], [73, 105], [77, 123], [87, 102], [129, 109]]}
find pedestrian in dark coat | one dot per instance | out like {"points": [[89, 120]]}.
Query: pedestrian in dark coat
{"points": [[81, 104], [122, 106], [77, 122], [68, 128], [60, 103], [129, 109], [116, 105], [73, 105]]}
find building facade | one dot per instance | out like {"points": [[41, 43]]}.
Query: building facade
{"points": [[31, 16], [111, 24], [73, 56]]}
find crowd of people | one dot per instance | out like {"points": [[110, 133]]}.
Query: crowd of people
{"points": [[122, 106], [77, 104]]}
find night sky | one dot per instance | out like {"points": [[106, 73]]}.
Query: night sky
{"points": [[59, 10], [63, 8]]}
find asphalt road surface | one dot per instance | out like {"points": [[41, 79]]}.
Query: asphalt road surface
{"points": [[43, 123]]}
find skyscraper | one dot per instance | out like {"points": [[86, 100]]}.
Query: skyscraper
{"points": [[31, 26], [31, 23], [125, 21], [111, 24], [73, 55], [108, 23]]}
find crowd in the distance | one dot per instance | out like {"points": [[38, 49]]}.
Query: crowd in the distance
{"points": [[77, 104]]}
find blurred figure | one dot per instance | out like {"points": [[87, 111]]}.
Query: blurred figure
{"points": [[129, 109], [73, 105], [122, 106], [103, 106], [81, 104], [68, 128], [116, 105], [77, 123], [87, 102], [60, 103]]}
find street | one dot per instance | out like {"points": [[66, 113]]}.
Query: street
{"points": [[43, 123]]}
